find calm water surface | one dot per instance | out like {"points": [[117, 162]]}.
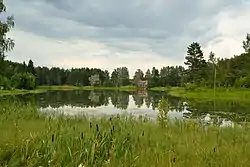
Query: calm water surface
{"points": [[99, 103]]}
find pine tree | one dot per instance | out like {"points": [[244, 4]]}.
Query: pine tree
{"points": [[195, 62]]}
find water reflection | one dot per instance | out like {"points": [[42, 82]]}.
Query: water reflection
{"points": [[97, 103]]}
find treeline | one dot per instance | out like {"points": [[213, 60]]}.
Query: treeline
{"points": [[225, 72], [26, 76]]}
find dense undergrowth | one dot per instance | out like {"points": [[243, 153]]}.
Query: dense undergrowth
{"points": [[29, 138]]}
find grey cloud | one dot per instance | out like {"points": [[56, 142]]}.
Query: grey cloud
{"points": [[153, 16], [161, 24]]}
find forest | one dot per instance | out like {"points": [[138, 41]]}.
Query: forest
{"points": [[226, 72], [216, 71]]}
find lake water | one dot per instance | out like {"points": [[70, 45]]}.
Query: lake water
{"points": [[100, 103]]}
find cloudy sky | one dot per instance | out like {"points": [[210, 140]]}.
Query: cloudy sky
{"points": [[132, 33]]}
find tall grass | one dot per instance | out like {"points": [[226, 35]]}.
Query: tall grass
{"points": [[39, 140]]}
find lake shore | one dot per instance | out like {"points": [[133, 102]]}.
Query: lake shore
{"points": [[198, 93], [69, 87], [208, 93], [33, 139], [42, 89], [20, 91]]}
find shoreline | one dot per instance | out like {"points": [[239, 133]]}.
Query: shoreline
{"points": [[198, 93]]}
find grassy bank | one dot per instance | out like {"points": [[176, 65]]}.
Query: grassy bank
{"points": [[68, 87], [206, 93], [18, 91], [41, 89], [31, 139]]}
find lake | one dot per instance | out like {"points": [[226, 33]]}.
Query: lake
{"points": [[100, 103]]}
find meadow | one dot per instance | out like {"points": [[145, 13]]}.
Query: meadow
{"points": [[238, 94], [30, 138]]}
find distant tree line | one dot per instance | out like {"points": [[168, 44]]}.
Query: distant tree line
{"points": [[215, 71]]}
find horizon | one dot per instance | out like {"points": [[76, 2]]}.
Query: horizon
{"points": [[135, 34]]}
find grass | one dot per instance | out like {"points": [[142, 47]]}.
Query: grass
{"points": [[32, 139], [207, 93], [161, 89], [41, 89], [19, 91], [69, 87]]}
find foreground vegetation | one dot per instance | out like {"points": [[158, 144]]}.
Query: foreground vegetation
{"points": [[32, 139]]}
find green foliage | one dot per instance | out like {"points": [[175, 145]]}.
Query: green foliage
{"points": [[31, 68], [246, 44], [163, 108], [190, 86], [139, 75], [120, 76], [23, 81], [29, 81], [16, 81], [6, 44], [5, 83], [94, 80], [195, 61]]}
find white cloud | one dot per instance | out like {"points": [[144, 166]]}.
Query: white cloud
{"points": [[80, 53], [232, 27]]}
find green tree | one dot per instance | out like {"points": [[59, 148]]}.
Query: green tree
{"points": [[94, 80], [148, 74], [195, 62], [31, 68], [28, 81], [114, 77], [138, 76], [154, 79], [16, 81], [6, 44], [120, 76], [246, 44], [106, 79]]}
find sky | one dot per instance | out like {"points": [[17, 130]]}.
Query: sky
{"points": [[132, 33]]}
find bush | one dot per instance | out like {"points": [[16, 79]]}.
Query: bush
{"points": [[16, 81], [23, 81], [5, 83], [190, 86], [29, 81]]}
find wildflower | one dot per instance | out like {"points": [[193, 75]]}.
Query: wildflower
{"points": [[81, 165]]}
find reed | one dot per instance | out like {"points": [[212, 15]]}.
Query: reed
{"points": [[29, 138]]}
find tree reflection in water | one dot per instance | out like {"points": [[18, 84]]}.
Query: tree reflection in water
{"points": [[138, 102]]}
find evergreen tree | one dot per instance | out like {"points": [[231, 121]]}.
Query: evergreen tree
{"points": [[31, 68], [246, 44], [196, 63]]}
